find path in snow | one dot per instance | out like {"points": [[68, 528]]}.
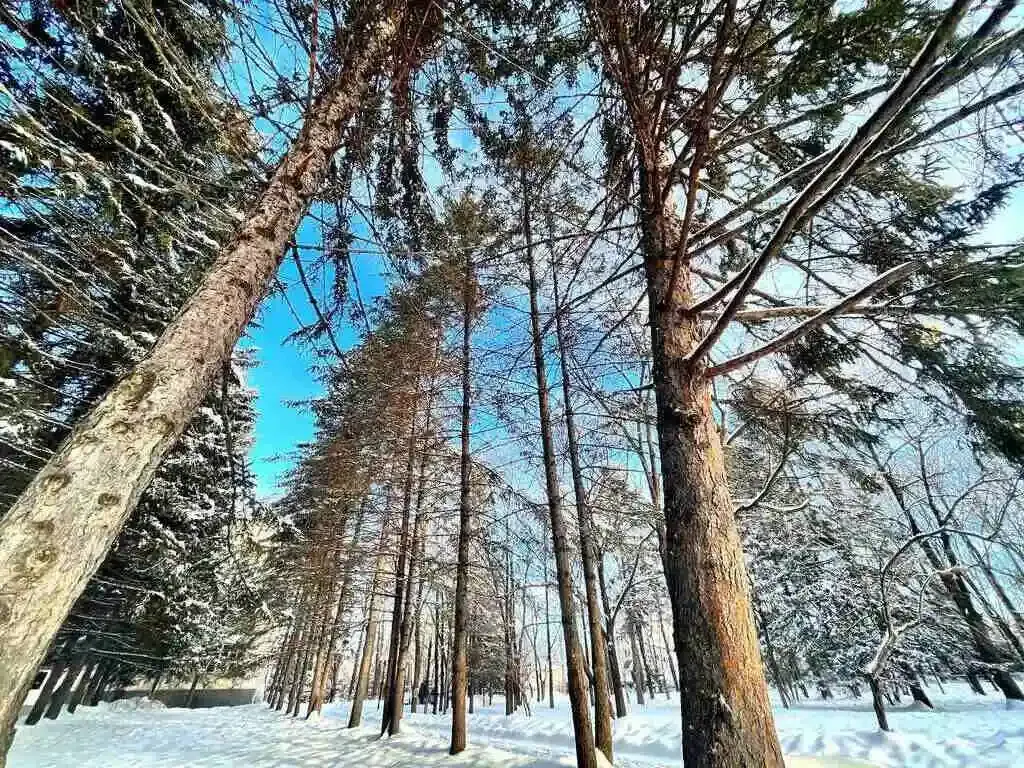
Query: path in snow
{"points": [[967, 731]]}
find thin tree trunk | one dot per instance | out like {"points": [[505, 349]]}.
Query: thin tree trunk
{"points": [[582, 729], [614, 667], [395, 683], [356, 661], [547, 631], [460, 661], [668, 650], [57, 533], [637, 665], [82, 687], [363, 679], [588, 551], [416, 671]]}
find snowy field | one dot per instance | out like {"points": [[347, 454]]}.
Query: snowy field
{"points": [[965, 730]]}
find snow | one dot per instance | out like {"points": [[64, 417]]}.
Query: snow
{"points": [[964, 730]]}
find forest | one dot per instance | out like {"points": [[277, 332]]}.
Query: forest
{"points": [[447, 367]]}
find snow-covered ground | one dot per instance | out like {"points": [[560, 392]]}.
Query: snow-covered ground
{"points": [[965, 730]]}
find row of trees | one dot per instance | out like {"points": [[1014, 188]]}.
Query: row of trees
{"points": [[786, 198]]}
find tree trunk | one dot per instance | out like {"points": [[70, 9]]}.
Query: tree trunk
{"points": [[316, 697], [643, 659], [547, 632], [57, 670], [588, 551], [393, 678], [668, 651], [93, 693], [63, 691], [82, 687], [726, 714], [877, 703], [416, 670], [585, 751], [637, 665], [618, 685], [356, 661], [460, 661], [192, 691], [363, 680], [57, 533]]}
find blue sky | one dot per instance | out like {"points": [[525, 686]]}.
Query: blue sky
{"points": [[285, 374]]}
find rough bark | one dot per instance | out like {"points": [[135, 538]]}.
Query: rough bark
{"points": [[57, 533], [726, 714], [460, 661], [582, 729]]}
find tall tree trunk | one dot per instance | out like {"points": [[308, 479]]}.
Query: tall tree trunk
{"points": [[92, 694], [395, 681], [588, 551], [192, 691], [460, 661], [330, 656], [356, 660], [726, 714], [372, 620], [410, 610], [582, 729], [416, 669], [547, 631], [435, 694], [57, 533]]}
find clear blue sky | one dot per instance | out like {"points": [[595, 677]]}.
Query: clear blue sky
{"points": [[285, 371]]}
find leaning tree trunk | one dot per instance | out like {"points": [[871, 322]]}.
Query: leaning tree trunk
{"points": [[460, 631], [588, 551], [726, 714], [57, 670], [578, 698], [57, 533]]}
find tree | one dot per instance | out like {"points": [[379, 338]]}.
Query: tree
{"points": [[45, 567]]}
